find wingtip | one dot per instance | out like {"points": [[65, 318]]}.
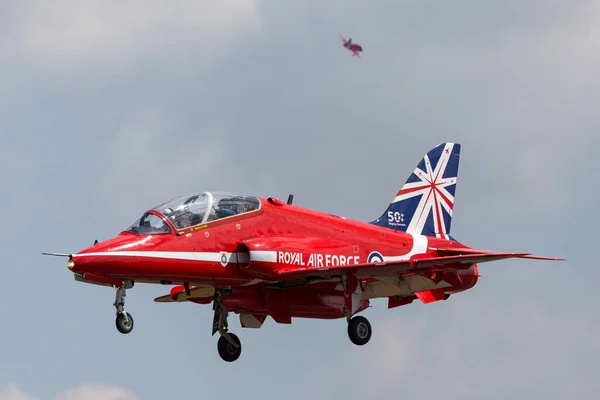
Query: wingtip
{"points": [[533, 257]]}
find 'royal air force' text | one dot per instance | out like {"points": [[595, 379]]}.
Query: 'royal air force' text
{"points": [[315, 260]]}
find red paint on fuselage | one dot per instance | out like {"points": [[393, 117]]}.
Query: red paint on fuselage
{"points": [[297, 302], [225, 235]]}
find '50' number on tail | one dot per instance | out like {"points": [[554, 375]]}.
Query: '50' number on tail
{"points": [[395, 216]]}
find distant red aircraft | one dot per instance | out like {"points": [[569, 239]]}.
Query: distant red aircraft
{"points": [[353, 47], [260, 257]]}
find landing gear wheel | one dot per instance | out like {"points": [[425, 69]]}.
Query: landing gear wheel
{"points": [[228, 351], [124, 325], [359, 330]]}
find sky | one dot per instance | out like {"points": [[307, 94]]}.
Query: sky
{"points": [[109, 107]]}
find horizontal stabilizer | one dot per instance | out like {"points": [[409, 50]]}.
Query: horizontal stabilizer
{"points": [[464, 259], [468, 250], [532, 257]]}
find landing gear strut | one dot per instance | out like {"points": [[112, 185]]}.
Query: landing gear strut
{"points": [[124, 320], [359, 328], [229, 345]]}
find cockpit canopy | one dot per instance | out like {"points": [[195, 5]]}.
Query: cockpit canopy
{"points": [[149, 224], [191, 210]]}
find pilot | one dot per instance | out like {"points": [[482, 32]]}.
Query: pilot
{"points": [[183, 219], [196, 219], [227, 208], [213, 214]]}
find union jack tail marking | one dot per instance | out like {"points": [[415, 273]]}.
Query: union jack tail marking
{"points": [[424, 204]]}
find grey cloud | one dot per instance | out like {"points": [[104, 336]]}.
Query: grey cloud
{"points": [[12, 392], [80, 44], [484, 350], [86, 391], [94, 391], [475, 345]]}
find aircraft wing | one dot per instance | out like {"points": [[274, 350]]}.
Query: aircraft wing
{"points": [[456, 258]]}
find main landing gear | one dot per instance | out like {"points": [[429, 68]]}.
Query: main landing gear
{"points": [[124, 320], [229, 345], [359, 330]]}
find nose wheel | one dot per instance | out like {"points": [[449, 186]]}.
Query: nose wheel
{"points": [[359, 330], [124, 320], [124, 323]]}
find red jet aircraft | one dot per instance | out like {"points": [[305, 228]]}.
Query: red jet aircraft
{"points": [[260, 257], [353, 47]]}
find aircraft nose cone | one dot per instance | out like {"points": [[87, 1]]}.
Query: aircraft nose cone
{"points": [[70, 264]]}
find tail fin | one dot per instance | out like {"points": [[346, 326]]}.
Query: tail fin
{"points": [[424, 204]]}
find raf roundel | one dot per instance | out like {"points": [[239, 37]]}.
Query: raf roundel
{"points": [[375, 256]]}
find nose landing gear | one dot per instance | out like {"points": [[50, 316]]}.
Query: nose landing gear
{"points": [[124, 320]]}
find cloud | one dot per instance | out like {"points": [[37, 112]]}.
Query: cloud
{"points": [[91, 39], [515, 83], [149, 156], [94, 391], [94, 31], [478, 348], [85, 391], [129, 48], [12, 392], [524, 88]]}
